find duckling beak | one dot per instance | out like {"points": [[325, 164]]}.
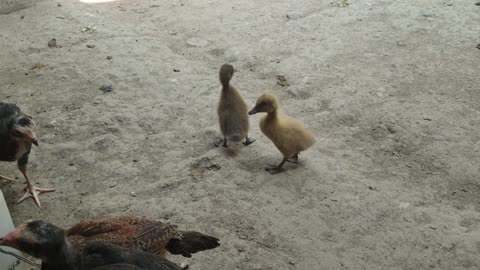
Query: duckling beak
{"points": [[253, 111]]}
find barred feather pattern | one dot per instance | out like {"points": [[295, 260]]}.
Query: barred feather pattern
{"points": [[129, 232]]}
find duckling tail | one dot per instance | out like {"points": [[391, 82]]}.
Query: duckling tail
{"points": [[226, 74]]}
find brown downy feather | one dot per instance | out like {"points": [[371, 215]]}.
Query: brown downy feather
{"points": [[232, 109]]}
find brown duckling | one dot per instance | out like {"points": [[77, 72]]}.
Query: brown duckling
{"points": [[232, 110], [288, 134]]}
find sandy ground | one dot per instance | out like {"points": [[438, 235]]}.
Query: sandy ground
{"points": [[390, 88]]}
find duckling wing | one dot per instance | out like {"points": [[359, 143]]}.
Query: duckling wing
{"points": [[234, 125], [233, 115], [296, 137]]}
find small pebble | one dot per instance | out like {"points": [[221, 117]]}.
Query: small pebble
{"points": [[184, 265], [91, 46], [106, 88], [59, 5], [37, 66], [293, 92], [52, 43], [176, 70], [132, 194], [197, 42], [282, 81], [294, 15], [477, 4], [478, 46], [428, 13], [89, 28], [404, 205], [109, 57]]}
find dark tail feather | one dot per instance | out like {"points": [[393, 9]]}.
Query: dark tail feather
{"points": [[191, 242]]}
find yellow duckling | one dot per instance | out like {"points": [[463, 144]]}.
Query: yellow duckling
{"points": [[288, 134], [232, 110]]}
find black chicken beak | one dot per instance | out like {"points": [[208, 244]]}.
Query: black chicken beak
{"points": [[35, 142], [253, 111]]}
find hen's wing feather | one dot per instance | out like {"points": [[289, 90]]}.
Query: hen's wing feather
{"points": [[107, 256], [129, 232], [102, 226]]}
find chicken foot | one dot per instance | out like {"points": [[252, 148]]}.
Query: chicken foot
{"points": [[32, 191]]}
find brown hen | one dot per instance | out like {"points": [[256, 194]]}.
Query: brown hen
{"points": [[141, 234]]}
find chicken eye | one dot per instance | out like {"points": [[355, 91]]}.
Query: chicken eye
{"points": [[16, 133]]}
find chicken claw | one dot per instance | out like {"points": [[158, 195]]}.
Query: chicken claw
{"points": [[5, 178], [32, 191]]}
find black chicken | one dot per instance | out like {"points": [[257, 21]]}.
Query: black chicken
{"points": [[16, 139], [49, 243]]}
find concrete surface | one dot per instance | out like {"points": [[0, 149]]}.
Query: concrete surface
{"points": [[390, 88]]}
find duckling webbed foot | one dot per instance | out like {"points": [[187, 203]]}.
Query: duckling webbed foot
{"points": [[221, 142], [248, 141], [276, 168], [293, 159]]}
